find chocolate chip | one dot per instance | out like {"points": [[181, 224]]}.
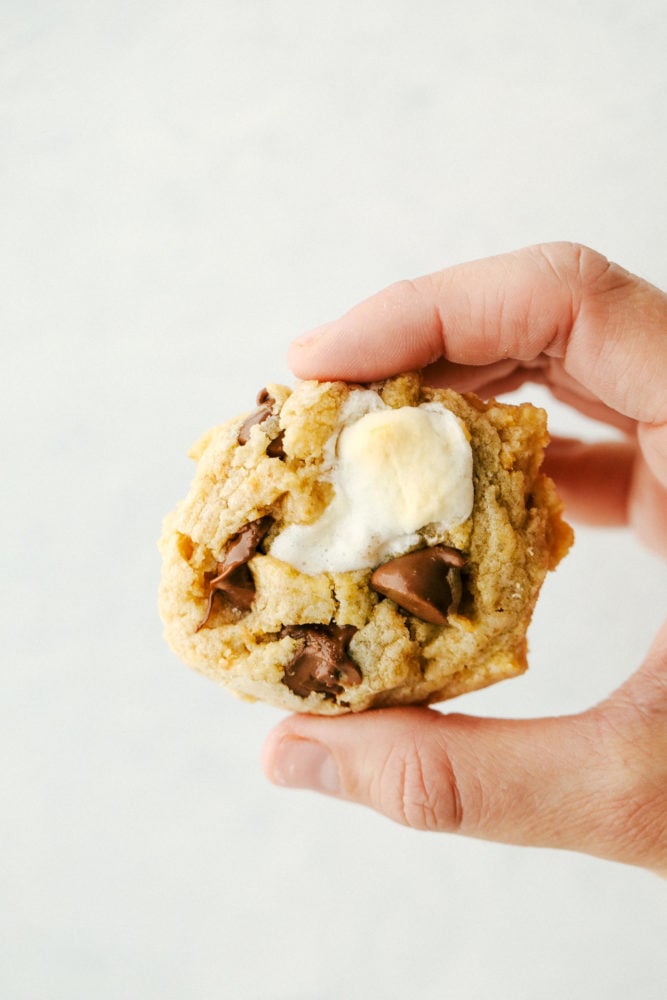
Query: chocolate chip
{"points": [[320, 663], [425, 583], [264, 410], [275, 448], [232, 578]]}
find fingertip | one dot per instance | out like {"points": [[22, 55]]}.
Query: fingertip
{"points": [[268, 755], [273, 743], [307, 354], [292, 761], [391, 332], [310, 337]]}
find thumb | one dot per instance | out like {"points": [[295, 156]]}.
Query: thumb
{"points": [[556, 782], [492, 778]]}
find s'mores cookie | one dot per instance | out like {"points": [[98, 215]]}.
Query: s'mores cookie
{"points": [[345, 547]]}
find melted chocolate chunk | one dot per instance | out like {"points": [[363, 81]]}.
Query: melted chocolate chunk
{"points": [[265, 404], [320, 663], [232, 578], [275, 448], [258, 416], [426, 583]]}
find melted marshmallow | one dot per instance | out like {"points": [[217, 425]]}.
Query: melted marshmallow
{"points": [[394, 471]]}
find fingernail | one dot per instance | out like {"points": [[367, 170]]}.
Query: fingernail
{"points": [[303, 764], [312, 336]]}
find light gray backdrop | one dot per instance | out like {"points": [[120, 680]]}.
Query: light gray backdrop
{"points": [[184, 186]]}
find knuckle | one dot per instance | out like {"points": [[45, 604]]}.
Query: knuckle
{"points": [[577, 260], [633, 812], [404, 290], [418, 788], [586, 276], [636, 827], [594, 274]]}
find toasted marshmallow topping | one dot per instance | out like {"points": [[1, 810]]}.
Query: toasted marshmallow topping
{"points": [[394, 471]]}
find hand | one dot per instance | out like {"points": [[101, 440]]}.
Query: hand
{"points": [[596, 335]]}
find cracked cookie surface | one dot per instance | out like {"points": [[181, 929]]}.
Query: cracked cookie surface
{"points": [[444, 617]]}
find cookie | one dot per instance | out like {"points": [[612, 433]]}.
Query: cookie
{"points": [[346, 547]]}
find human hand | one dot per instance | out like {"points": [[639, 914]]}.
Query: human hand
{"points": [[596, 335]]}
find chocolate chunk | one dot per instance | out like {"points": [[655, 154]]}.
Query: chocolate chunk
{"points": [[275, 448], [320, 662], [264, 410], [265, 404], [425, 583], [232, 578]]}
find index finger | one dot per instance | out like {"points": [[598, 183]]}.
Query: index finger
{"points": [[606, 328]]}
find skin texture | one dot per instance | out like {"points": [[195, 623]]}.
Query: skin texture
{"points": [[596, 336]]}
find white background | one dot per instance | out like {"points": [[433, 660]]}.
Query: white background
{"points": [[184, 186]]}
